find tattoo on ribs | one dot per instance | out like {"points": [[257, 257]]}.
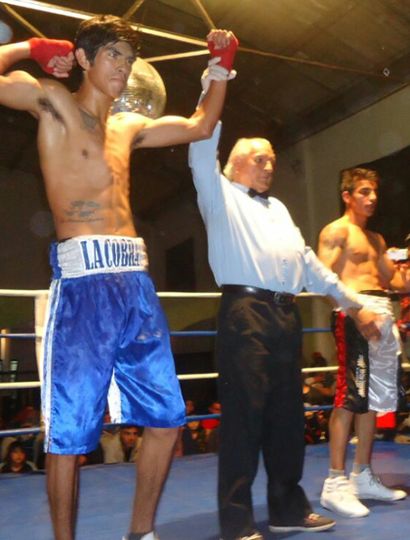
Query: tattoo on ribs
{"points": [[83, 211], [47, 106]]}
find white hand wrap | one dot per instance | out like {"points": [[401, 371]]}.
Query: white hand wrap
{"points": [[214, 72]]}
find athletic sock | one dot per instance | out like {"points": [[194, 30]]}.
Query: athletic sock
{"points": [[137, 536], [360, 467], [334, 473]]}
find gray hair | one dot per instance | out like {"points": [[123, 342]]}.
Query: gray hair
{"points": [[241, 149]]}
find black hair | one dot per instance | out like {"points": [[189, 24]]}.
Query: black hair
{"points": [[98, 31], [10, 449]]}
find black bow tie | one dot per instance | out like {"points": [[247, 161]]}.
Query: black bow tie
{"points": [[253, 193]]}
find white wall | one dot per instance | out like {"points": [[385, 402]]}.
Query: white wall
{"points": [[376, 132]]}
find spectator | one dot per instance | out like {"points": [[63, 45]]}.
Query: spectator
{"points": [[403, 431], [321, 384], [27, 441], [121, 446], [210, 424], [211, 427], [193, 438], [16, 460], [189, 407]]}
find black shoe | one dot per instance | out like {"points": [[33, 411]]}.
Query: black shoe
{"points": [[311, 523]]}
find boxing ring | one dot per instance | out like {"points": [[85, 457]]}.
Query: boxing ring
{"points": [[188, 507]]}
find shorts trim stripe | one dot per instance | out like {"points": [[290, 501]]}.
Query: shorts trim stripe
{"points": [[114, 401], [54, 300], [340, 336]]}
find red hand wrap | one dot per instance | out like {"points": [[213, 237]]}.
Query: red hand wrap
{"points": [[42, 50], [227, 54]]}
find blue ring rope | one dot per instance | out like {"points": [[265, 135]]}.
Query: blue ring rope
{"points": [[176, 333], [192, 418]]}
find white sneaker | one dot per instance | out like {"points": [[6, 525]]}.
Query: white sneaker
{"points": [[337, 496], [367, 485], [149, 536], [254, 536]]}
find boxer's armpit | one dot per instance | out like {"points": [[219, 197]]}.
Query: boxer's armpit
{"points": [[46, 106], [137, 140]]}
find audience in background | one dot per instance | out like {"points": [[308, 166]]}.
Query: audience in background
{"points": [[16, 460], [193, 438], [122, 445], [318, 390], [320, 385], [209, 424]]}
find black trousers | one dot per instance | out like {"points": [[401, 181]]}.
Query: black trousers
{"points": [[258, 353]]}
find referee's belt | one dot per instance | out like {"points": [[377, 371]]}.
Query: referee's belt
{"points": [[275, 297]]}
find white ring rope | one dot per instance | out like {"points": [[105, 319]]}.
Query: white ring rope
{"points": [[23, 293], [186, 377], [20, 385], [44, 292]]}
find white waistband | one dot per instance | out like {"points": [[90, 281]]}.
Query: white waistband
{"points": [[378, 304], [99, 254]]}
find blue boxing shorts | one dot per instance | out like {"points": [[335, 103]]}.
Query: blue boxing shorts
{"points": [[105, 336]]}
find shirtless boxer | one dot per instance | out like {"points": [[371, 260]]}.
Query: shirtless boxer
{"points": [[368, 374], [105, 329]]}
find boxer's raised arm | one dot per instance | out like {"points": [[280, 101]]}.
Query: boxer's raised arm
{"points": [[170, 130], [18, 89]]}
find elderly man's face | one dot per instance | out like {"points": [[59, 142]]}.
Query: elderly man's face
{"points": [[255, 169]]}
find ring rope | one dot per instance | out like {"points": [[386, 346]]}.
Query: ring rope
{"points": [[186, 377], [191, 418], [164, 294], [173, 333]]}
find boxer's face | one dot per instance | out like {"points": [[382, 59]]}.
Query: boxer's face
{"points": [[111, 68], [255, 169], [363, 199]]}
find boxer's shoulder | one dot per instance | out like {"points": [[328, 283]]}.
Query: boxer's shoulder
{"points": [[335, 233], [129, 124], [55, 89]]}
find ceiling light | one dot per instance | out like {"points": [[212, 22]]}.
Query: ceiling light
{"points": [[48, 8]]}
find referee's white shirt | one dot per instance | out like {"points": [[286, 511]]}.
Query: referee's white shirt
{"points": [[253, 241]]}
